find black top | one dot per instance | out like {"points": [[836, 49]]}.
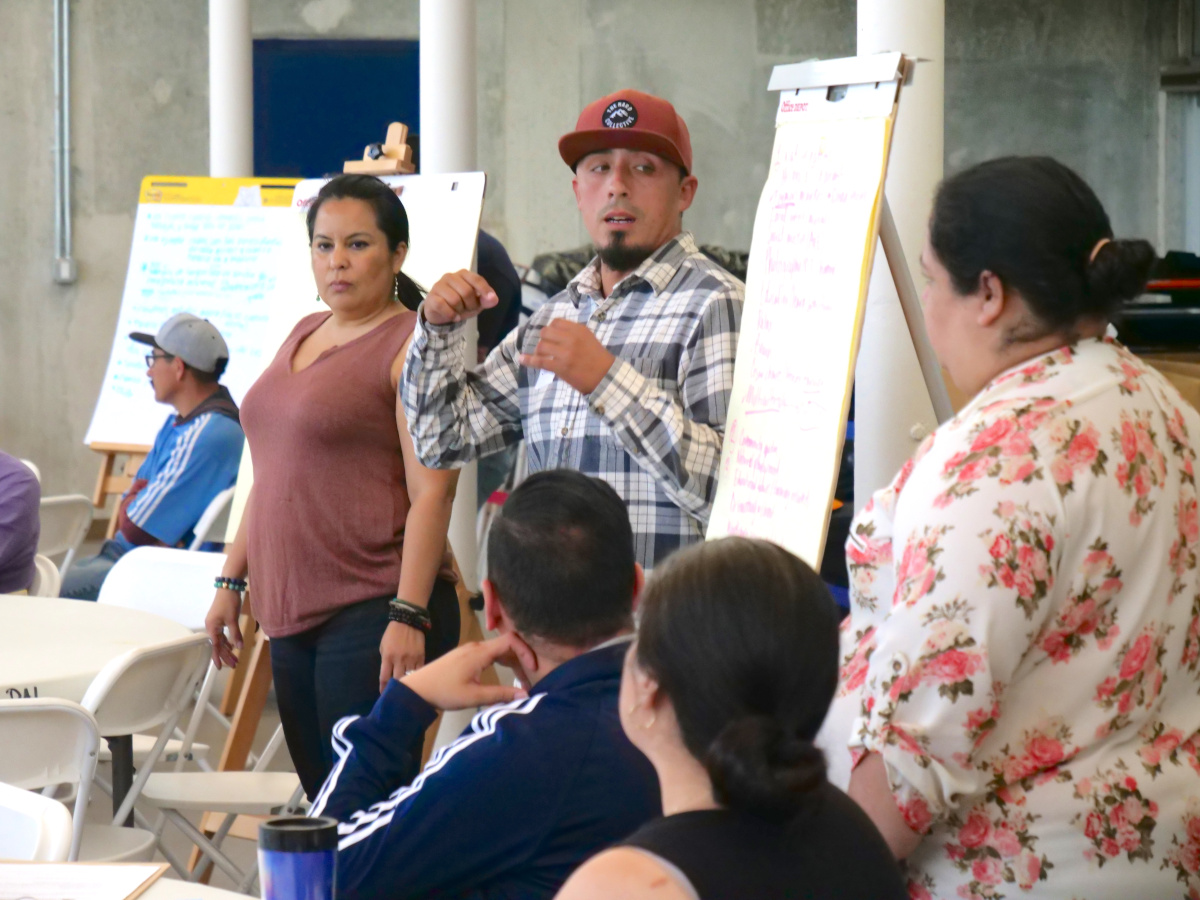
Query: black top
{"points": [[493, 264], [829, 850]]}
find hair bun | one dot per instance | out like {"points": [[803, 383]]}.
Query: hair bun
{"points": [[1118, 272], [758, 767]]}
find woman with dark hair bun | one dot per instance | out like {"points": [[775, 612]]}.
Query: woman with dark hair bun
{"points": [[344, 531], [1017, 706], [732, 672]]}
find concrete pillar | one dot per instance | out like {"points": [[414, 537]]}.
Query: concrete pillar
{"points": [[893, 412], [448, 145], [230, 90]]}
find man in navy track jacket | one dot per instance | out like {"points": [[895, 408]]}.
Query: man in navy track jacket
{"points": [[543, 779]]}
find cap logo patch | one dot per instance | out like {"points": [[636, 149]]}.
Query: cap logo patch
{"points": [[619, 114]]}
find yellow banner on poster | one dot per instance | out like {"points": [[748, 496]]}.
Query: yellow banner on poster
{"points": [[194, 190]]}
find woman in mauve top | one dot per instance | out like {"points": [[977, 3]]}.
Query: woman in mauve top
{"points": [[342, 517]]}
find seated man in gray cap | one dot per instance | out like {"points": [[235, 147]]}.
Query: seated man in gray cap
{"points": [[195, 455]]}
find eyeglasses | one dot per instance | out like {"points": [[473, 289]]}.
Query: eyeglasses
{"points": [[151, 357]]}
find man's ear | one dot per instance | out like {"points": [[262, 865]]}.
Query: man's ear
{"points": [[639, 582], [575, 188], [494, 616], [993, 300], [179, 368], [687, 192]]}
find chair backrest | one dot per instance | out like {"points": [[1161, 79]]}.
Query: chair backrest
{"points": [[174, 584], [32, 467], [47, 581], [65, 522], [147, 686], [214, 519], [32, 827], [49, 741]]}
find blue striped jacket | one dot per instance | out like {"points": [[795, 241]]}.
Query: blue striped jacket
{"points": [[528, 792]]}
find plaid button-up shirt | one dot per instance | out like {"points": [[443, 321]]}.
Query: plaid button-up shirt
{"points": [[653, 426]]}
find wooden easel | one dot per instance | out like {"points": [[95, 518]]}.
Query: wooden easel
{"points": [[108, 483], [392, 157]]}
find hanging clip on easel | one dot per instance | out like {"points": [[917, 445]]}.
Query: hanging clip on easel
{"points": [[392, 157]]}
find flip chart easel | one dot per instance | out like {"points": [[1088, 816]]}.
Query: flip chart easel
{"points": [[821, 214], [200, 245]]}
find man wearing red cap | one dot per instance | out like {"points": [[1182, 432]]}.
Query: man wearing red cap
{"points": [[626, 374]]}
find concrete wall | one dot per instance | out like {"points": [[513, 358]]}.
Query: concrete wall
{"points": [[1074, 78]]}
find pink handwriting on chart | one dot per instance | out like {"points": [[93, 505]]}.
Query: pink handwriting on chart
{"points": [[760, 497], [808, 274]]}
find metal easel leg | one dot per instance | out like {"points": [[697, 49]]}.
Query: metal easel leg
{"points": [[910, 302]]}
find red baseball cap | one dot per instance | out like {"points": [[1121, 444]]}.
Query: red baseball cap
{"points": [[628, 120]]}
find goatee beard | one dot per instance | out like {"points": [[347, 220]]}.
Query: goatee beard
{"points": [[621, 257]]}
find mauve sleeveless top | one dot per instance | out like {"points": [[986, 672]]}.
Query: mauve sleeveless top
{"points": [[326, 522]]}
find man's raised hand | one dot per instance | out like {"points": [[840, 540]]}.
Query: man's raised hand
{"points": [[452, 681], [573, 353], [458, 296]]}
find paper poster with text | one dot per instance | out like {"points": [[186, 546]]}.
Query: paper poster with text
{"points": [[810, 259]]}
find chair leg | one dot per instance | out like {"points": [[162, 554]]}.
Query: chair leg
{"points": [[177, 864], [201, 864], [207, 847], [247, 883]]}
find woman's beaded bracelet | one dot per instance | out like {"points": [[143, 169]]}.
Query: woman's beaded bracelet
{"points": [[409, 614], [229, 584]]}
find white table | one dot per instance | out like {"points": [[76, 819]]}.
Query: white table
{"points": [[172, 889], [52, 647]]}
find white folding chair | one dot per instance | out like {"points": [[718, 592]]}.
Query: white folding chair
{"points": [[33, 828], [65, 523], [32, 467], [254, 793], [147, 687], [214, 519], [47, 581], [177, 585], [48, 742]]}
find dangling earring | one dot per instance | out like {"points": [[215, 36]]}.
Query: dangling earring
{"points": [[396, 288], [318, 298]]}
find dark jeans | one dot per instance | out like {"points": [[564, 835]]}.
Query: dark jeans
{"points": [[332, 671]]}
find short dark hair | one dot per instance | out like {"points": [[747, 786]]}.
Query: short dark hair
{"points": [[1034, 223], [742, 638], [390, 217], [212, 377], [560, 556]]}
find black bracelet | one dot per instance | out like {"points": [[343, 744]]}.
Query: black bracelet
{"points": [[229, 584], [409, 614]]}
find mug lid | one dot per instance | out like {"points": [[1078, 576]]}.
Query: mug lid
{"points": [[298, 834]]}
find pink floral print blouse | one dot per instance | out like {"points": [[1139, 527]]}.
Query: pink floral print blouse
{"points": [[1023, 643]]}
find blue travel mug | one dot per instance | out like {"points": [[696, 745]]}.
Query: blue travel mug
{"points": [[297, 858]]}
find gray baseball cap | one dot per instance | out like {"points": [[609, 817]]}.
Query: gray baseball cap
{"points": [[194, 340]]}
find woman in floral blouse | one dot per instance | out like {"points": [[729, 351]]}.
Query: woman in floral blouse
{"points": [[1019, 701]]}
